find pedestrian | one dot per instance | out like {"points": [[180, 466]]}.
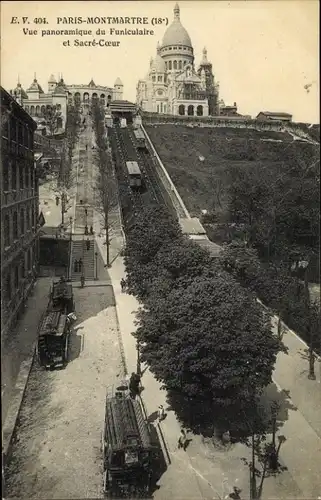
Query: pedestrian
{"points": [[57, 200], [161, 413], [91, 230], [123, 285], [88, 244], [182, 440], [76, 266], [79, 265], [86, 147], [82, 281]]}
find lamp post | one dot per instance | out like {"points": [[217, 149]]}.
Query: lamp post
{"points": [[86, 225], [70, 249], [96, 258], [305, 265]]}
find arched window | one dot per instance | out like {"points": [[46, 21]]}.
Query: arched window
{"points": [[22, 221], [32, 110], [58, 107], [175, 65], [15, 226], [190, 110], [154, 78], [164, 108], [180, 65], [181, 110], [27, 109], [109, 98], [6, 230], [184, 63], [86, 97], [199, 111], [94, 96], [169, 65], [37, 110], [43, 110], [166, 65]]}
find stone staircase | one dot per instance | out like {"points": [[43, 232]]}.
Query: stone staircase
{"points": [[79, 251]]}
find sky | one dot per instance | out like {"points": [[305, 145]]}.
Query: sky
{"points": [[263, 52]]}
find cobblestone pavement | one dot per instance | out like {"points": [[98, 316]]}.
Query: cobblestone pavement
{"points": [[57, 450]]}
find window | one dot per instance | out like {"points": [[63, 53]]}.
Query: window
{"points": [[159, 78], [27, 179], [16, 277], [22, 221], [199, 111], [33, 216], [5, 177], [181, 110], [14, 175], [8, 288], [180, 64], [29, 259], [6, 230], [23, 268], [190, 110], [15, 225], [20, 133], [27, 218], [175, 64], [21, 179], [169, 64], [13, 129], [154, 78]]}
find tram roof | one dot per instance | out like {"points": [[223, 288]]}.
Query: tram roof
{"points": [[132, 167]]}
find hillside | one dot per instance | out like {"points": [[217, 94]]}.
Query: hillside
{"points": [[202, 184]]}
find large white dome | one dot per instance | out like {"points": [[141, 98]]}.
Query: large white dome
{"points": [[176, 34]]}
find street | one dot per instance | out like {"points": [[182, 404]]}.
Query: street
{"points": [[57, 449]]}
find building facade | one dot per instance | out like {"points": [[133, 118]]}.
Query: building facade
{"points": [[39, 103], [19, 209], [172, 85]]}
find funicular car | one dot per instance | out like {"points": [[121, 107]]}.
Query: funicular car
{"points": [[134, 174], [61, 297], [128, 453], [54, 328]]}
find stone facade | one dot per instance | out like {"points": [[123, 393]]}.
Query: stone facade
{"points": [[19, 209], [172, 85]]}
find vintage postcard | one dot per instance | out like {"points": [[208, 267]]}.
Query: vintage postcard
{"points": [[160, 277]]}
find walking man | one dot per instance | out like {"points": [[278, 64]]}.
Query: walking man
{"points": [[161, 413], [122, 284], [88, 244], [76, 266], [182, 440], [79, 265]]}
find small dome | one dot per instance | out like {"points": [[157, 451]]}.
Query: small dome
{"points": [[118, 81], [158, 64], [91, 83], [176, 34], [20, 91], [35, 86], [52, 79]]}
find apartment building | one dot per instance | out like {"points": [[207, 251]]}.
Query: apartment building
{"points": [[19, 209]]}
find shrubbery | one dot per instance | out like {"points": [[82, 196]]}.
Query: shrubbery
{"points": [[204, 336]]}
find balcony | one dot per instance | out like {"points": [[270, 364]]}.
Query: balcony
{"points": [[12, 197]]}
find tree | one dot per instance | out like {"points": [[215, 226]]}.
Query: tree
{"points": [[210, 341], [51, 116], [106, 182]]}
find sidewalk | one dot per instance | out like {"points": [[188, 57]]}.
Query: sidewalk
{"points": [[202, 471], [17, 356]]}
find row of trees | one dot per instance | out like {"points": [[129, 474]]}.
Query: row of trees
{"points": [[65, 178], [106, 185], [204, 336]]}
